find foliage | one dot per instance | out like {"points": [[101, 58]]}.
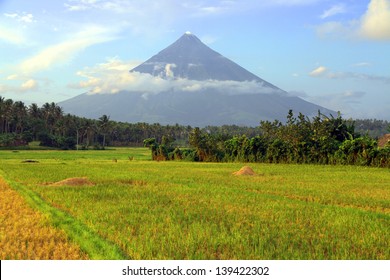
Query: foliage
{"points": [[359, 151], [163, 151], [49, 124], [372, 127], [321, 140], [298, 140]]}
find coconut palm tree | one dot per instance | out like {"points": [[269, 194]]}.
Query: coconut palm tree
{"points": [[104, 125]]}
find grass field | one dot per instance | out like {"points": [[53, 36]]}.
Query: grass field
{"points": [[140, 209]]}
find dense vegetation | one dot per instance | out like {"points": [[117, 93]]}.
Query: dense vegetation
{"points": [[323, 139], [21, 124]]}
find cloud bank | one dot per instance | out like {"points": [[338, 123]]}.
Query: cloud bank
{"points": [[113, 76], [323, 72]]}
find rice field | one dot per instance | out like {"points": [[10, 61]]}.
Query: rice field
{"points": [[128, 207], [27, 234]]}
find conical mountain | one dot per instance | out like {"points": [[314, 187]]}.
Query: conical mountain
{"points": [[189, 83], [189, 58]]}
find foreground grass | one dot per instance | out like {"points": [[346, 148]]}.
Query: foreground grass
{"points": [[180, 210], [27, 234]]}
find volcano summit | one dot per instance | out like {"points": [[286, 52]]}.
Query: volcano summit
{"points": [[189, 58], [189, 83]]}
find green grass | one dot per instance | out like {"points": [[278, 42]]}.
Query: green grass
{"points": [[89, 241], [184, 210]]}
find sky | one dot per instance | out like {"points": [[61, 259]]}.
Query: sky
{"points": [[333, 53]]}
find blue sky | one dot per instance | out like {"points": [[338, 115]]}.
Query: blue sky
{"points": [[332, 53]]}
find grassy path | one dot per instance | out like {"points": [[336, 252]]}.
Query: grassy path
{"points": [[27, 234], [89, 242]]}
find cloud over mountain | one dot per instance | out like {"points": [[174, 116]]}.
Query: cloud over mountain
{"points": [[113, 76]]}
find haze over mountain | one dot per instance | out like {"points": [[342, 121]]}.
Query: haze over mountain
{"points": [[191, 84]]}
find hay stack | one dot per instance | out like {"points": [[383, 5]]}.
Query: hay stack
{"points": [[246, 170], [77, 181]]}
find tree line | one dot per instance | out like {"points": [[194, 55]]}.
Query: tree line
{"points": [[21, 124], [320, 140]]}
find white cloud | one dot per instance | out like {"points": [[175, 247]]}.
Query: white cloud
{"points": [[318, 71], [114, 76], [362, 64], [75, 8], [12, 85], [12, 35], [24, 17], [11, 15], [12, 77], [334, 10], [66, 50], [293, 2], [349, 94], [336, 29], [323, 72], [29, 85], [168, 71], [375, 23], [117, 6]]}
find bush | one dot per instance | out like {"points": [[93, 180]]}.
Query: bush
{"points": [[360, 151], [190, 155], [65, 143], [382, 157]]}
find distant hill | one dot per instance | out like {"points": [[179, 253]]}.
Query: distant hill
{"points": [[204, 88]]}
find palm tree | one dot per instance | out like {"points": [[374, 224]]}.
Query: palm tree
{"points": [[51, 114], [104, 123], [2, 114], [36, 121], [19, 116], [7, 115], [89, 129]]}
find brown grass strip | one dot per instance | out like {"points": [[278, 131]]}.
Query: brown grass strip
{"points": [[26, 234]]}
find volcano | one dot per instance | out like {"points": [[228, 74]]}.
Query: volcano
{"points": [[188, 83], [189, 58]]}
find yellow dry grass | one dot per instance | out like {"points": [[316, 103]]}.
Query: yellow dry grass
{"points": [[77, 181], [26, 234]]}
